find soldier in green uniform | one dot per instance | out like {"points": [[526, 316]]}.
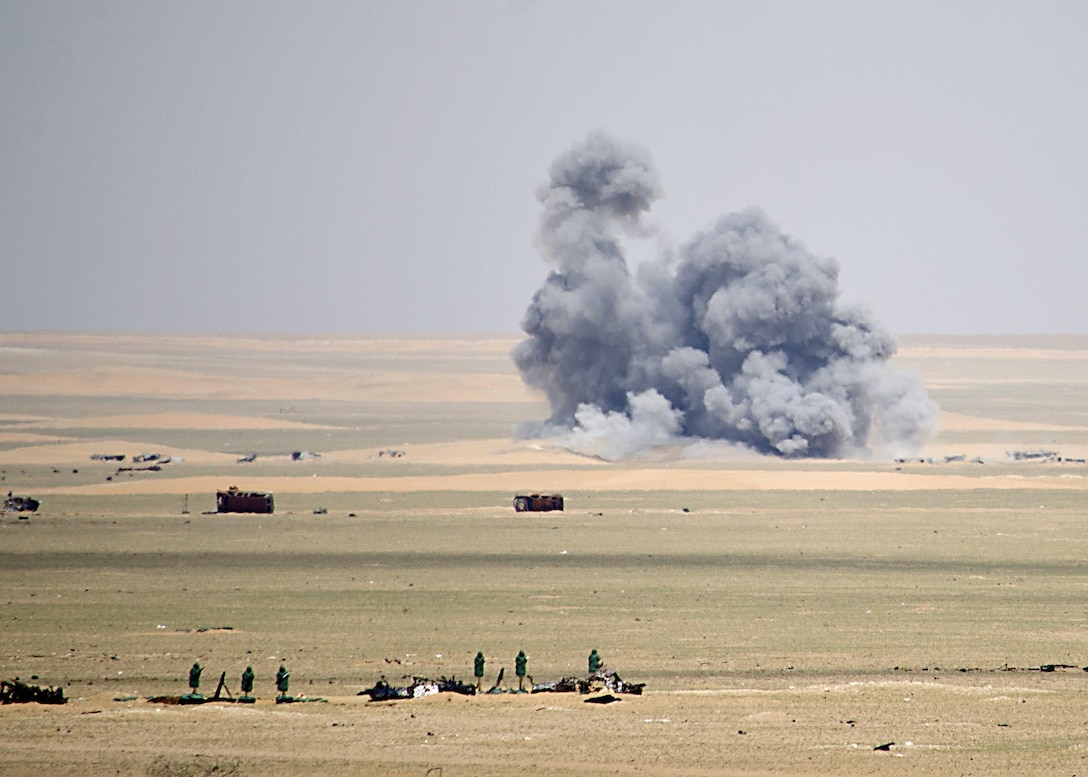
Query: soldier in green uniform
{"points": [[478, 670], [194, 676], [283, 679], [519, 669], [594, 661], [247, 682]]}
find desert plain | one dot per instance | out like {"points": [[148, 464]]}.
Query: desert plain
{"points": [[787, 616]]}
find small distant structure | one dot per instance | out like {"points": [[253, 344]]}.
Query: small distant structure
{"points": [[538, 503], [20, 504], [107, 457], [234, 501], [1038, 455]]}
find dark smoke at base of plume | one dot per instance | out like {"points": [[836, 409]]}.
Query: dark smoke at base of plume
{"points": [[739, 337]]}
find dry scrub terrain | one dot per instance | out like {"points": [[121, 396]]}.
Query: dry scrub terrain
{"points": [[787, 616]]}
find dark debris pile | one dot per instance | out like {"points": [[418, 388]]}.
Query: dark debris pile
{"points": [[17, 692]]}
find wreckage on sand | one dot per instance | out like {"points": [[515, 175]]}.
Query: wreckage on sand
{"points": [[417, 689], [19, 504], [602, 680], [17, 692]]}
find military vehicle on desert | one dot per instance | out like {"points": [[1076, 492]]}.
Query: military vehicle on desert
{"points": [[538, 503]]}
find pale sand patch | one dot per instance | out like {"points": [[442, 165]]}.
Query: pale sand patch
{"points": [[457, 344], [371, 386], [543, 452], [580, 480], [379, 386], [494, 452], [6, 437], [1034, 354], [12, 418], [963, 422], [193, 421]]}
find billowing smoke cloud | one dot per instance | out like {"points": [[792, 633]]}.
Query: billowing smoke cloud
{"points": [[739, 337]]}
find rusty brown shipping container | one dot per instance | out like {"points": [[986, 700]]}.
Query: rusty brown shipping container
{"points": [[538, 503], [234, 501]]}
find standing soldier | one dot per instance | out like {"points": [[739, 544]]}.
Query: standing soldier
{"points": [[283, 679], [247, 683], [519, 669], [594, 661], [194, 676], [479, 669]]}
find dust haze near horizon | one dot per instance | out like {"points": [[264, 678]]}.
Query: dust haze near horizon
{"points": [[374, 167]]}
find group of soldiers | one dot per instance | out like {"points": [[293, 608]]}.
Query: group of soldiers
{"points": [[521, 668], [283, 681], [283, 678]]}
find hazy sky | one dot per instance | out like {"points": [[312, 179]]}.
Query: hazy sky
{"points": [[366, 167]]}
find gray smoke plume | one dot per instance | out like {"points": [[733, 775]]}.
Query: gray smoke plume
{"points": [[739, 337]]}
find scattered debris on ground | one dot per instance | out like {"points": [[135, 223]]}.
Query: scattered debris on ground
{"points": [[152, 462], [1043, 456], [565, 685], [1003, 668], [202, 629], [1060, 667], [612, 682], [418, 688], [602, 680], [17, 692], [1039, 455], [20, 504]]}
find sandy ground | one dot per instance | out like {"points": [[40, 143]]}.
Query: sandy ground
{"points": [[580, 480], [204, 400]]}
